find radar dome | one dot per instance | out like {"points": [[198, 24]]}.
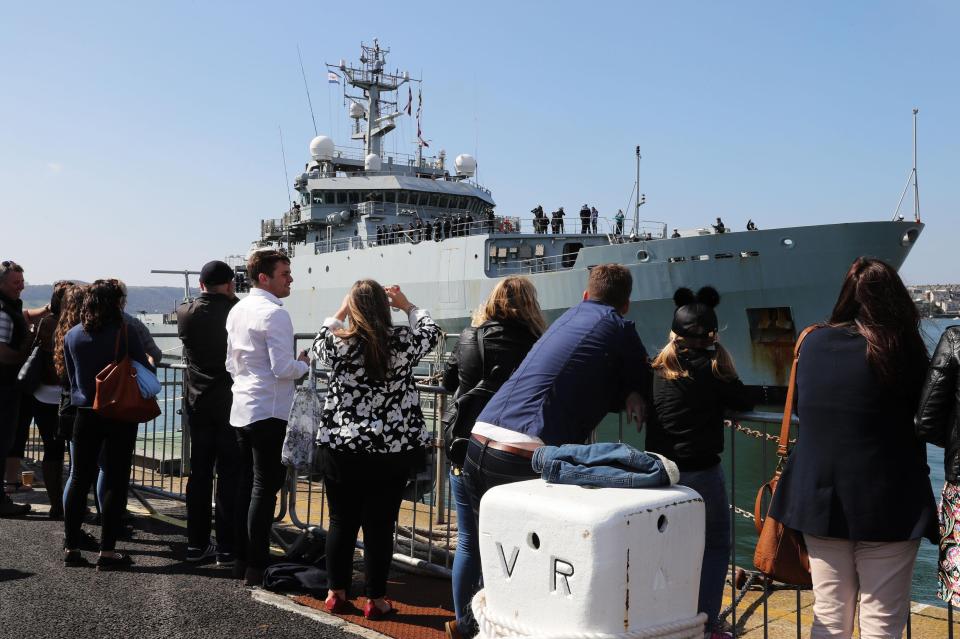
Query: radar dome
{"points": [[321, 148], [356, 111], [372, 162], [465, 165]]}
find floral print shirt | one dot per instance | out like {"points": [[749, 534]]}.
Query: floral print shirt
{"points": [[367, 415]]}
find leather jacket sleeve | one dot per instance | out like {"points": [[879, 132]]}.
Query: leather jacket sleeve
{"points": [[933, 421]]}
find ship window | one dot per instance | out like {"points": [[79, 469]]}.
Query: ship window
{"points": [[643, 256], [570, 252], [354, 197], [443, 202], [403, 197], [699, 258], [434, 200], [723, 256], [787, 243], [391, 197], [674, 260], [317, 197]]}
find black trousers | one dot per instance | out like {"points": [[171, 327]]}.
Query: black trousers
{"points": [[48, 423], [260, 476], [364, 490], [487, 467], [213, 447], [91, 433]]}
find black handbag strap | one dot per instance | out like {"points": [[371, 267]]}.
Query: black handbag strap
{"points": [[483, 365]]}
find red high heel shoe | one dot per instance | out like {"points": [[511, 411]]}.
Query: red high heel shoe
{"points": [[371, 612], [335, 605]]}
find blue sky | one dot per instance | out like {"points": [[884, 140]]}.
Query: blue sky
{"points": [[137, 136]]}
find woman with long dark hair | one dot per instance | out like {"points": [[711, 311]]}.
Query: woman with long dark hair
{"points": [[509, 322], [41, 405], [88, 348], [373, 433], [857, 484], [71, 312]]}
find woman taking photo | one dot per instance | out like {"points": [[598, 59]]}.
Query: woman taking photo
{"points": [[503, 330], [372, 434], [938, 422], [694, 383], [88, 348], [856, 484]]}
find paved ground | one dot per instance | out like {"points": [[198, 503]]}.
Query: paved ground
{"points": [[162, 597]]}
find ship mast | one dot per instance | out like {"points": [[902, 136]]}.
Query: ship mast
{"points": [[371, 78]]}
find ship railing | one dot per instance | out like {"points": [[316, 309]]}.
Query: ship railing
{"points": [[572, 225], [426, 533]]}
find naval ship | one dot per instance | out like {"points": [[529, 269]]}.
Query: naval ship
{"points": [[412, 221]]}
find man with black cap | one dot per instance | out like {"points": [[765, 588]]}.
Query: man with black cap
{"points": [[202, 327]]}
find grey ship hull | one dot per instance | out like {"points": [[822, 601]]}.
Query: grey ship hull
{"points": [[773, 282]]}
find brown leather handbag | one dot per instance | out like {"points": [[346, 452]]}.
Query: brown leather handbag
{"points": [[781, 553], [117, 393]]}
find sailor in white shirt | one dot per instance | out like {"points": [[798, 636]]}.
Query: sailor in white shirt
{"points": [[260, 358]]}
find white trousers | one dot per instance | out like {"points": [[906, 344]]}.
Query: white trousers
{"points": [[877, 574]]}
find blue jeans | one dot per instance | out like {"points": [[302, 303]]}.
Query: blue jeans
{"points": [[712, 486], [466, 561], [604, 465]]}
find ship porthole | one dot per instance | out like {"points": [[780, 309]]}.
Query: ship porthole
{"points": [[643, 256], [533, 539], [787, 243], [310, 269], [328, 269], [910, 237]]}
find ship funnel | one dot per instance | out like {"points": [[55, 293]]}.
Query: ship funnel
{"points": [[371, 162], [465, 165], [321, 148]]}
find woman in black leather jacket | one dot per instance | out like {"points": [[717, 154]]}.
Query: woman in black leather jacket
{"points": [[938, 422], [507, 324]]}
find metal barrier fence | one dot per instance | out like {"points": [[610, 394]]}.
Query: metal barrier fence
{"points": [[425, 536]]}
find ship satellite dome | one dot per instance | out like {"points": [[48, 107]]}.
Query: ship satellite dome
{"points": [[356, 111], [465, 164], [372, 162], [321, 148]]}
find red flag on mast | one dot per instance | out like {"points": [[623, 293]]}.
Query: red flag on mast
{"points": [[409, 100]]}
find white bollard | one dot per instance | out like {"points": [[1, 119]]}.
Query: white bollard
{"points": [[568, 561]]}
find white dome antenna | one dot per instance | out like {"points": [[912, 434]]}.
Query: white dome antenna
{"points": [[465, 164], [356, 111], [321, 148], [371, 162]]}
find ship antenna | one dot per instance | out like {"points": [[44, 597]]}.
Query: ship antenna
{"points": [[286, 176], [911, 178], [307, 88], [916, 187], [636, 214]]}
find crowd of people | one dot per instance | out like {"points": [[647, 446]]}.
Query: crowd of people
{"points": [[867, 398], [442, 227]]}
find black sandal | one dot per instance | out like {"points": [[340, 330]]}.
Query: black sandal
{"points": [[73, 559], [119, 561]]}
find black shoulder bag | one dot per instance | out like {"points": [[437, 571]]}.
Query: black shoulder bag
{"points": [[459, 419]]}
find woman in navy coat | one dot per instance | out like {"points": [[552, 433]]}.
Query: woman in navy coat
{"points": [[856, 485]]}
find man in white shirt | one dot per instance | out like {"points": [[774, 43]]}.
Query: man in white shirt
{"points": [[260, 358]]}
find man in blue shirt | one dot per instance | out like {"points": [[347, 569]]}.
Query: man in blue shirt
{"points": [[589, 362]]}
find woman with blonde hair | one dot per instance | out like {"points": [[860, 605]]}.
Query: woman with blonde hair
{"points": [[503, 330], [694, 382], [372, 433]]}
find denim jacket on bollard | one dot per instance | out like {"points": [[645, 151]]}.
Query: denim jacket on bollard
{"points": [[605, 465]]}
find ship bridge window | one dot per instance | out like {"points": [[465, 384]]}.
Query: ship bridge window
{"points": [[570, 252], [391, 197], [433, 200], [318, 197], [354, 197], [443, 202]]}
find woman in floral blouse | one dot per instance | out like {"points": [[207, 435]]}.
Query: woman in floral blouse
{"points": [[372, 434]]}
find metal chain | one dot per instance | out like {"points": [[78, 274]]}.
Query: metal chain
{"points": [[752, 432]]}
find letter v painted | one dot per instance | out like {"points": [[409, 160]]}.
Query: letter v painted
{"points": [[508, 568]]}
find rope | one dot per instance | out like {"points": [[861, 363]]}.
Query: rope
{"points": [[494, 627]]}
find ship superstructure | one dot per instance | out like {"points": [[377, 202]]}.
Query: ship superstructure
{"points": [[408, 220]]}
